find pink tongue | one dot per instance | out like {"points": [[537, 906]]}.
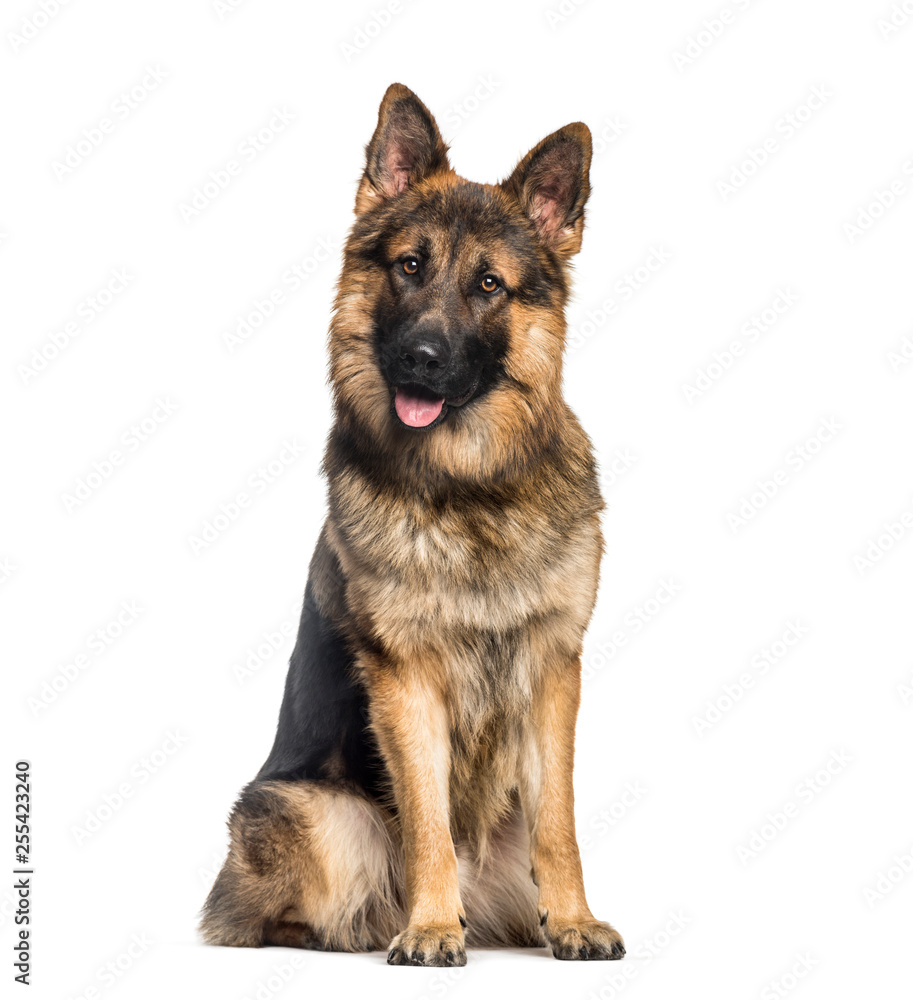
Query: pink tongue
{"points": [[416, 411]]}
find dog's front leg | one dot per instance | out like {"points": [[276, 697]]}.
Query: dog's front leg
{"points": [[410, 719], [547, 791]]}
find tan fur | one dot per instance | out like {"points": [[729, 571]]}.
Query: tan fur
{"points": [[464, 579]]}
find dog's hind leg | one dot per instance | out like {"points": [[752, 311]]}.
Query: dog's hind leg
{"points": [[310, 865]]}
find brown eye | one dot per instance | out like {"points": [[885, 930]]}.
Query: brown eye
{"points": [[490, 283], [410, 265]]}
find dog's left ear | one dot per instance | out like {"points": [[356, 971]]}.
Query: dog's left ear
{"points": [[552, 184], [406, 146]]}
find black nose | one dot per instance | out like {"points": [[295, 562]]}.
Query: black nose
{"points": [[425, 354]]}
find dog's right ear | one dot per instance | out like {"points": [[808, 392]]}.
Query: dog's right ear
{"points": [[406, 146]]}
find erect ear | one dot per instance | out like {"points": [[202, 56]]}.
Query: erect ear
{"points": [[552, 184], [406, 146]]}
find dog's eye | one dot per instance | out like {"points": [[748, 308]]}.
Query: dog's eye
{"points": [[489, 283], [410, 265]]}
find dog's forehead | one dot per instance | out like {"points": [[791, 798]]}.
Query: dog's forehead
{"points": [[464, 224]]}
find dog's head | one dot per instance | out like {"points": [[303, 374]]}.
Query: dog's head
{"points": [[449, 324]]}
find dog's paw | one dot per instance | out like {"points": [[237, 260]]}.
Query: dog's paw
{"points": [[586, 941], [428, 946]]}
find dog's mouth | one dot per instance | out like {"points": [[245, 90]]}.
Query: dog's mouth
{"points": [[419, 407], [416, 406]]}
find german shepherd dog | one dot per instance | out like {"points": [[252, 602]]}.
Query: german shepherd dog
{"points": [[419, 793]]}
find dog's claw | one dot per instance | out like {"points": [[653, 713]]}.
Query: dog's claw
{"points": [[435, 946], [588, 941]]}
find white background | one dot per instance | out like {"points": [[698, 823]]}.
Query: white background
{"points": [[676, 107]]}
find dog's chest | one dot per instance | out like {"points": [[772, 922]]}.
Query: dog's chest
{"points": [[487, 569], [478, 591]]}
